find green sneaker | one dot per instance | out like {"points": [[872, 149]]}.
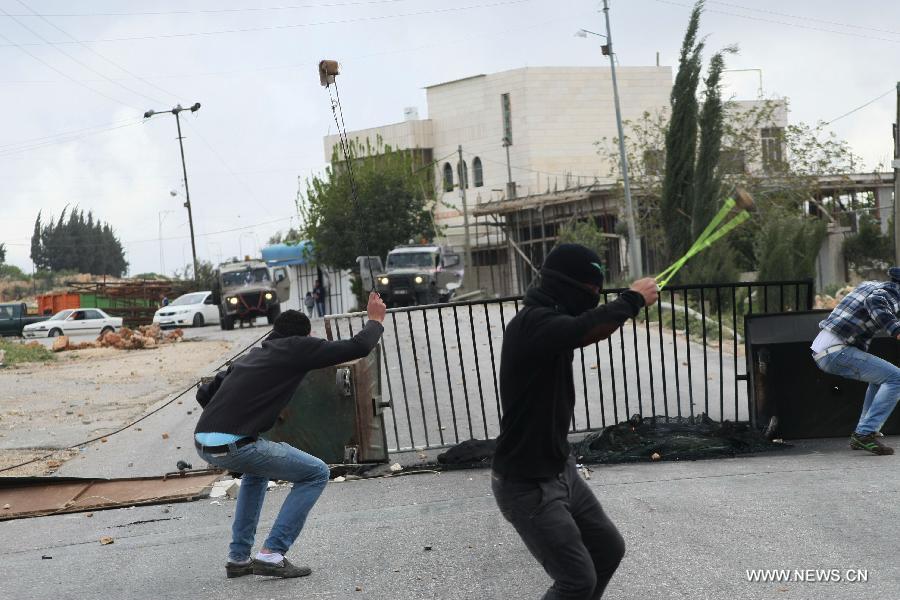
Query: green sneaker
{"points": [[869, 443], [279, 569], [233, 569]]}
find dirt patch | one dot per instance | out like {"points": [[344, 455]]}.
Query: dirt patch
{"points": [[88, 392]]}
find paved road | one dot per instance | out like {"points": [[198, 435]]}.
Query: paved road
{"points": [[692, 530]]}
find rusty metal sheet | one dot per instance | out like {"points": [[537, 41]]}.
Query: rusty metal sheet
{"points": [[41, 496]]}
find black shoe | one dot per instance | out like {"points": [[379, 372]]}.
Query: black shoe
{"points": [[869, 443], [279, 569], [233, 569]]}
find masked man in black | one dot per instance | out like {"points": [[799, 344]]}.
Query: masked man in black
{"points": [[534, 478]]}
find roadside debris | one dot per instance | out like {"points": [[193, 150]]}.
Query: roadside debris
{"points": [[396, 467], [225, 487], [145, 336], [106, 540]]}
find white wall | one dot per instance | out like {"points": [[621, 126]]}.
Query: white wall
{"points": [[558, 116]]}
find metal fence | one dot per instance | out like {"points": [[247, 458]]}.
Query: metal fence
{"points": [[681, 357]]}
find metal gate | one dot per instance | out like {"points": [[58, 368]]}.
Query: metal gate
{"points": [[684, 356]]}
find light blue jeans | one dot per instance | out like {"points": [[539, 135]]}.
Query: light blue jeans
{"points": [[260, 462], [883, 379]]}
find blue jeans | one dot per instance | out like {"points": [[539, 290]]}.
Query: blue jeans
{"points": [[883, 379], [260, 462]]}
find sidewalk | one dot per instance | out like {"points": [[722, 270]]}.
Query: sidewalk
{"points": [[692, 530]]}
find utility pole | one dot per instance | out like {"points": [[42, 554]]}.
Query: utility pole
{"points": [[634, 242], [896, 165], [463, 182], [187, 192]]}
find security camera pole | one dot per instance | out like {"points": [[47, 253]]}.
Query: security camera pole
{"points": [[187, 192]]}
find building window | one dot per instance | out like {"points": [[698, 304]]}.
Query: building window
{"points": [[448, 177], [772, 143], [478, 172], [732, 161], [463, 173]]}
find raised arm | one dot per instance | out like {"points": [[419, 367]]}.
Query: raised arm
{"points": [[326, 353], [566, 332]]}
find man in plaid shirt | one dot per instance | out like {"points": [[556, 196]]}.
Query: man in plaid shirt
{"points": [[841, 349]]}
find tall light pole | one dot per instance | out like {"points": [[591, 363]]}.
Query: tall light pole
{"points": [[162, 260], [187, 192], [634, 242]]}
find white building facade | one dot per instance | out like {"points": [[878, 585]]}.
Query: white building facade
{"points": [[557, 117]]}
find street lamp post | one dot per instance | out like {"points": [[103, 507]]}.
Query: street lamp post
{"points": [[162, 260], [634, 242], [187, 192]]}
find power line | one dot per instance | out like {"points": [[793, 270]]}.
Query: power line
{"points": [[102, 57], [284, 27], [165, 239], [10, 43], [860, 107], [805, 18], [75, 59], [214, 10], [777, 22], [139, 419], [11, 151]]}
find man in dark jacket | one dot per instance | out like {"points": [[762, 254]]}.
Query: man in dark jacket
{"points": [[247, 402], [534, 478]]}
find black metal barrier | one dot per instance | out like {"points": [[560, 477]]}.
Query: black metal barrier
{"points": [[681, 357], [785, 382]]}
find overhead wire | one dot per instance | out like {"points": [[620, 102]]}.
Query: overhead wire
{"points": [[75, 59], [216, 10], [138, 420], [21, 47], [292, 25], [861, 106], [777, 22], [99, 55]]}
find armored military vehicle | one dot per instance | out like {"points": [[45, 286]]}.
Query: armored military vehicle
{"points": [[249, 289], [419, 274]]}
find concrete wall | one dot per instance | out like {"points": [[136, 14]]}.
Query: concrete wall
{"points": [[830, 265], [405, 135]]}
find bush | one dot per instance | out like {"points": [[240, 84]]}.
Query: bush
{"points": [[22, 353]]}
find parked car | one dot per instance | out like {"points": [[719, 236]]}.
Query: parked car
{"points": [[195, 309], [80, 321], [14, 317]]}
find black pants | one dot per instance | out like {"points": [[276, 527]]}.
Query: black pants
{"points": [[564, 527]]}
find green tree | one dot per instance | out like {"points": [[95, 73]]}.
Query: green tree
{"points": [[584, 232], [868, 252], [390, 207], [2, 253], [292, 236], [715, 266], [206, 272], [73, 243], [681, 143]]}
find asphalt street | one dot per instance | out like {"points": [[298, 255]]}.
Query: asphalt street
{"points": [[692, 529]]}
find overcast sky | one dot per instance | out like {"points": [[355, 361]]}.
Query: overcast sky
{"points": [[75, 81]]}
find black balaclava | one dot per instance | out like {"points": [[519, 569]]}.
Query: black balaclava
{"points": [[894, 274], [288, 323], [564, 274]]}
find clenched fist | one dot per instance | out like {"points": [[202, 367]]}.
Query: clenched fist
{"points": [[376, 308], [647, 288]]}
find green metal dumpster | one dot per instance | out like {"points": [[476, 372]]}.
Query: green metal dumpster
{"points": [[337, 415]]}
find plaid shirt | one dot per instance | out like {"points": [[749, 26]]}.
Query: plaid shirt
{"points": [[871, 307]]}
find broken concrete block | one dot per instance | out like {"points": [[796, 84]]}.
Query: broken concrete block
{"points": [[60, 343]]}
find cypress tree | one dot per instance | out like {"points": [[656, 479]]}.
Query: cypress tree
{"points": [[37, 253], [681, 143]]}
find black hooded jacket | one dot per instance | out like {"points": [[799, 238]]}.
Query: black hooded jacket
{"points": [[537, 389]]}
